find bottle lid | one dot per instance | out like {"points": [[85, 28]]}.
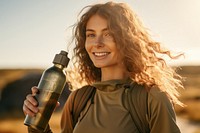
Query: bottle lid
{"points": [[61, 58]]}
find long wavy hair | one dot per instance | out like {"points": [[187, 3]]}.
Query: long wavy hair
{"points": [[142, 55]]}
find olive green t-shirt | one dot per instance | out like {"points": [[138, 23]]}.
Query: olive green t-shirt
{"points": [[109, 115]]}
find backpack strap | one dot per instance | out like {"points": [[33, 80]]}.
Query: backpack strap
{"points": [[136, 100], [80, 100], [76, 102]]}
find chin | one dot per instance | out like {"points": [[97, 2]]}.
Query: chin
{"points": [[98, 65]]}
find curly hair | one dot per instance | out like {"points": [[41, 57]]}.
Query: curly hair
{"points": [[142, 55]]}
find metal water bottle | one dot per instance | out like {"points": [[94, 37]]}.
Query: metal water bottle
{"points": [[50, 88]]}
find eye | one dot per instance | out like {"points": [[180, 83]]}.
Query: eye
{"points": [[90, 35], [107, 34]]}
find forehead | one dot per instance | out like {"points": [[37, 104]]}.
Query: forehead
{"points": [[96, 22]]}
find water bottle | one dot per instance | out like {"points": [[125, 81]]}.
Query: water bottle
{"points": [[50, 88]]}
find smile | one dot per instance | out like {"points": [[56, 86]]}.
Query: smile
{"points": [[100, 54]]}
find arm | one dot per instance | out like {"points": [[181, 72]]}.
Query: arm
{"points": [[66, 119], [161, 113]]}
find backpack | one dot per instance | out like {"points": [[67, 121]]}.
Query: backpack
{"points": [[136, 104]]}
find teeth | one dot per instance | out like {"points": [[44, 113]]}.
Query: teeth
{"points": [[100, 54]]}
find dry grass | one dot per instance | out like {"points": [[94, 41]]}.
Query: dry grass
{"points": [[17, 125]]}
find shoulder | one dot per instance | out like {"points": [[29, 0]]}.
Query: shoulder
{"points": [[138, 91], [161, 114], [154, 106], [156, 97], [82, 95], [159, 104], [154, 93], [77, 100]]}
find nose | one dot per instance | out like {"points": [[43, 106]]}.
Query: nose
{"points": [[99, 41]]}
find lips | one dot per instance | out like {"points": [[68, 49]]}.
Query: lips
{"points": [[99, 54]]}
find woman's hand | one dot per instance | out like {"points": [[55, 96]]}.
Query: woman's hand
{"points": [[30, 106], [30, 103]]}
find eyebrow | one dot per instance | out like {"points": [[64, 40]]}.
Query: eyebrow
{"points": [[105, 29]]}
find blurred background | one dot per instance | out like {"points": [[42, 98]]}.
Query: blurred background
{"points": [[32, 32]]}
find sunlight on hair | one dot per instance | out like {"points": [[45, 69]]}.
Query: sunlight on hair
{"points": [[74, 79]]}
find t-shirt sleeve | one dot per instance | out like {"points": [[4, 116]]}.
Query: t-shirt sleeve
{"points": [[162, 117], [66, 118]]}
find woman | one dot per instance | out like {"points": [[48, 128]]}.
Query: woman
{"points": [[113, 50]]}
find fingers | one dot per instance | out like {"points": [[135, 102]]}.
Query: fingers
{"points": [[34, 90], [30, 106], [30, 103]]}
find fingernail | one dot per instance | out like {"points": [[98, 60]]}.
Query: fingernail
{"points": [[35, 104], [36, 110]]}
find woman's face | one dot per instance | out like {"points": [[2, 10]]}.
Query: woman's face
{"points": [[100, 44]]}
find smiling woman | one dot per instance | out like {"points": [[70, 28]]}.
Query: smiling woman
{"points": [[129, 87]]}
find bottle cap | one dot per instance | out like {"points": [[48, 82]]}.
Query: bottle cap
{"points": [[61, 58]]}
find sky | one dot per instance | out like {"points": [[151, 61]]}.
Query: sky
{"points": [[33, 31]]}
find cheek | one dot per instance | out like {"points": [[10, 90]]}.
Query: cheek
{"points": [[117, 52], [87, 47]]}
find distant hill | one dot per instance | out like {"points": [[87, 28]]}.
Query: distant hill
{"points": [[192, 74], [16, 85], [10, 75]]}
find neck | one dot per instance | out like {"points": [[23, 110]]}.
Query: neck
{"points": [[114, 73]]}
